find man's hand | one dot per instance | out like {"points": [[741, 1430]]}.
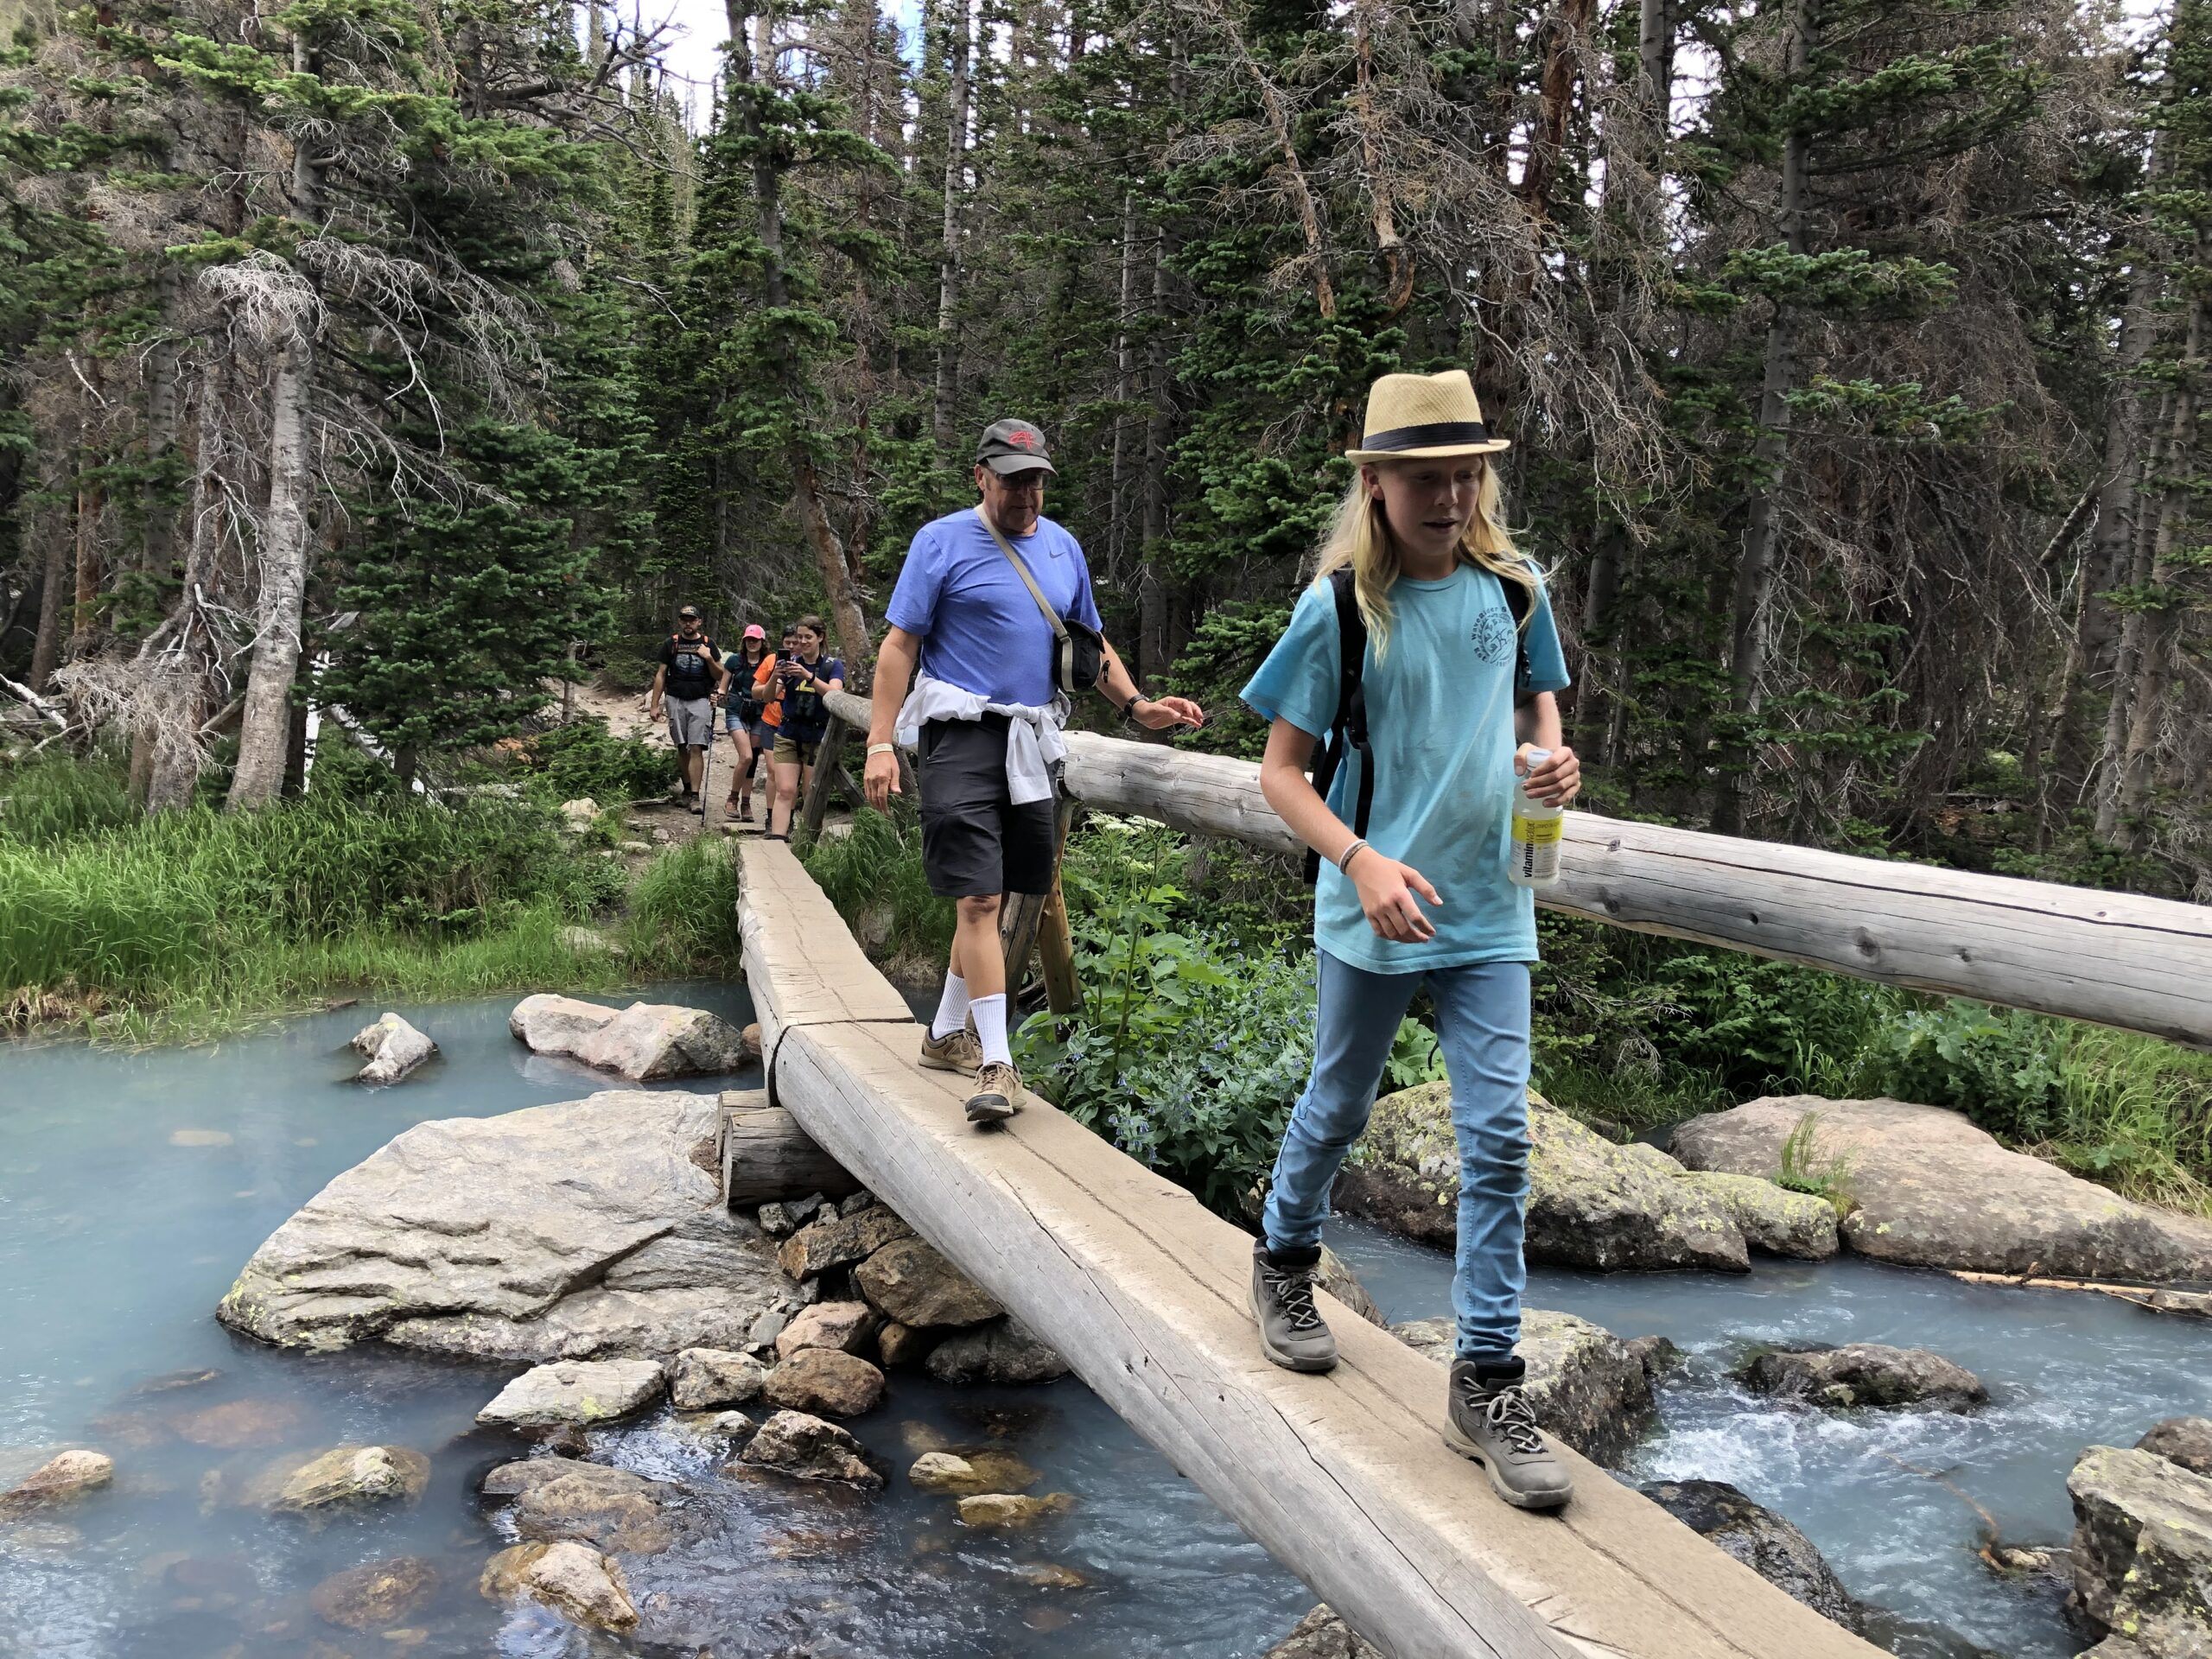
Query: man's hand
{"points": [[879, 780], [1386, 896], [1159, 715], [1558, 781], [652, 708]]}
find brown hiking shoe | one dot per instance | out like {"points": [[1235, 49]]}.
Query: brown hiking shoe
{"points": [[997, 1096], [1487, 1418], [958, 1050]]}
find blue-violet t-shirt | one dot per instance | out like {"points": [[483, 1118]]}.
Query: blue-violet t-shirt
{"points": [[979, 627], [1440, 725]]}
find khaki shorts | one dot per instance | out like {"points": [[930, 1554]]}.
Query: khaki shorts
{"points": [[791, 752], [690, 721]]}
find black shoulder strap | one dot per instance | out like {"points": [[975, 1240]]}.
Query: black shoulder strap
{"points": [[1519, 601], [1348, 727]]}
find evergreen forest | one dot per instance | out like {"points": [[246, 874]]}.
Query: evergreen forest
{"points": [[415, 357]]}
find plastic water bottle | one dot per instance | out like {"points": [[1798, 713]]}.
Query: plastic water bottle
{"points": [[1537, 829]]}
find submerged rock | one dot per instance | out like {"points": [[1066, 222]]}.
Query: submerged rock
{"points": [[1583, 1383], [1761, 1540], [908, 1282], [1004, 1350], [1658, 1355], [574, 1579], [611, 1509], [489, 1237], [2142, 1551], [1322, 1634], [976, 1472], [1931, 1190], [347, 1476], [829, 1380], [644, 1041], [793, 1443], [376, 1595], [60, 1480], [1866, 1374], [583, 1392], [1591, 1203], [715, 1376], [845, 1326], [1009, 1512], [2185, 1440], [239, 1423], [394, 1048]]}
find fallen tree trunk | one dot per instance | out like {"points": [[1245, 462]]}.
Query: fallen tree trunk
{"points": [[767, 1156]]}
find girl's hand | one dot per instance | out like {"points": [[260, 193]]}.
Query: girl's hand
{"points": [[1558, 781], [1386, 896]]}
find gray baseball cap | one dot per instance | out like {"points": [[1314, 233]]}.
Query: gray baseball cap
{"points": [[1014, 447]]}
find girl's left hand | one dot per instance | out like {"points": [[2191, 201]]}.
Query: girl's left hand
{"points": [[1557, 781]]}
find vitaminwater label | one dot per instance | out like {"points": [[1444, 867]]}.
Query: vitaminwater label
{"points": [[1537, 831]]}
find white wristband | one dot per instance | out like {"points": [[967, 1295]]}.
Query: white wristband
{"points": [[1344, 857], [874, 749]]}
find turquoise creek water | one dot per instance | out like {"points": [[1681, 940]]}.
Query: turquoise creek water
{"points": [[134, 1185]]}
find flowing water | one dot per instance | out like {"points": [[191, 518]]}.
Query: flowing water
{"points": [[1893, 1499], [133, 1187]]}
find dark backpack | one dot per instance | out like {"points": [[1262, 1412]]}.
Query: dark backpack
{"points": [[1349, 727]]}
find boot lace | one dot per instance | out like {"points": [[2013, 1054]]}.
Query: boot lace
{"points": [[1508, 1414], [1293, 1293]]}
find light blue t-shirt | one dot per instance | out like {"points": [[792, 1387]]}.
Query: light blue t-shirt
{"points": [[1440, 725], [979, 627]]}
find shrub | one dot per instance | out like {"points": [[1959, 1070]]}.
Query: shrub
{"points": [[583, 759], [683, 911]]}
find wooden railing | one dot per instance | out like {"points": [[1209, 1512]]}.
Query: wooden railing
{"points": [[2141, 964]]}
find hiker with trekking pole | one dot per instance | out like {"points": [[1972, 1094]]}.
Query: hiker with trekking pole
{"points": [[993, 630], [1420, 650], [690, 679]]}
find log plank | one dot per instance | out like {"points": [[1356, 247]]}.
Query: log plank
{"points": [[766, 1155], [1143, 1291], [2117, 959]]}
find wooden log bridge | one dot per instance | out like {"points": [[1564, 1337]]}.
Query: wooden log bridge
{"points": [[2113, 959], [1343, 1477]]}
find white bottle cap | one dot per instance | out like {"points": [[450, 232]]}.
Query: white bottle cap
{"points": [[1537, 757]]}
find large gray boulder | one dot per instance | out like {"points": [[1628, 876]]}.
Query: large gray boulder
{"points": [[1761, 1540], [2185, 1440], [2142, 1551], [1931, 1190], [585, 1228], [644, 1041], [1866, 1374], [1591, 1203], [1584, 1383]]}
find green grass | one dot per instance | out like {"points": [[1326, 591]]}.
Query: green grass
{"points": [[198, 922], [873, 874]]}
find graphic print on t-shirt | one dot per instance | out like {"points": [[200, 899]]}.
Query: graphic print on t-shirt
{"points": [[1493, 636]]}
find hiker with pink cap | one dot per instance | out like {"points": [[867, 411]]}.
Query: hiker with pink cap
{"points": [[745, 716]]}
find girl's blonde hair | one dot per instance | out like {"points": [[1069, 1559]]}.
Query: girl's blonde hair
{"points": [[1360, 537]]}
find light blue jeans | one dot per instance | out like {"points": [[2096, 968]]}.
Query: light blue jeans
{"points": [[1482, 1024]]}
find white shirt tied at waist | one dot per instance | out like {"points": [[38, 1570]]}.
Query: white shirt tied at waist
{"points": [[1033, 742]]}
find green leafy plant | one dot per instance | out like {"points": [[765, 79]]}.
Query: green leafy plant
{"points": [[1804, 1169]]}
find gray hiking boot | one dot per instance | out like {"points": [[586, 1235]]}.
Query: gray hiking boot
{"points": [[1291, 1331], [1487, 1418], [956, 1050], [997, 1096]]}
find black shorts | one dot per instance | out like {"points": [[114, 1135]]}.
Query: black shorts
{"points": [[975, 840]]}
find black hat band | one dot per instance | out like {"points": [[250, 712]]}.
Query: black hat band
{"points": [[1434, 436]]}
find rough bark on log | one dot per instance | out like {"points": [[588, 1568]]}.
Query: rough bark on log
{"points": [[767, 1156]]}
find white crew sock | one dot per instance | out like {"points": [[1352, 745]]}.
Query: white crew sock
{"points": [[989, 1014], [951, 1008]]}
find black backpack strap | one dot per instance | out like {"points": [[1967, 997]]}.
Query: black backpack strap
{"points": [[1519, 601], [1348, 727]]}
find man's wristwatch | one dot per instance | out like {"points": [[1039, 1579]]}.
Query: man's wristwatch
{"points": [[1129, 709]]}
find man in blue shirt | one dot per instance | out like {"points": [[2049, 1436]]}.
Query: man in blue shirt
{"points": [[986, 707]]}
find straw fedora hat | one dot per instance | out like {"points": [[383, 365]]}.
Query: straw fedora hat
{"points": [[1425, 417]]}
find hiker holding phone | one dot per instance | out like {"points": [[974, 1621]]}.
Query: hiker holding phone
{"points": [[803, 677], [994, 607], [1421, 638]]}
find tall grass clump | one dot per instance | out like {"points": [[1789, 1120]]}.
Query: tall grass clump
{"points": [[201, 910], [683, 913], [54, 798], [873, 874]]}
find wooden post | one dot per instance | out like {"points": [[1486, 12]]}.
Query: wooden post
{"points": [[826, 772], [1022, 912], [1056, 953], [710, 798]]}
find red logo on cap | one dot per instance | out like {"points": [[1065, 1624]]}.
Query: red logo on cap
{"points": [[1021, 440]]}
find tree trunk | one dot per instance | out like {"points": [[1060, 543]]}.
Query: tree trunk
{"points": [[1748, 633], [158, 501], [944, 408], [1118, 512], [1566, 33], [1154, 625], [265, 722], [177, 757], [1389, 247], [61, 471]]}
